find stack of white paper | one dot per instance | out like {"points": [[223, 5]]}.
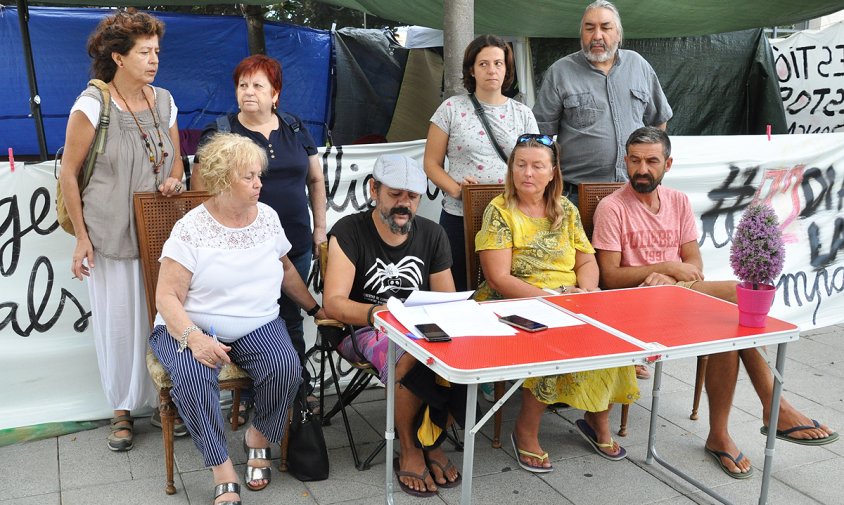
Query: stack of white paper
{"points": [[457, 319]]}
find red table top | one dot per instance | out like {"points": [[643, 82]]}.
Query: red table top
{"points": [[668, 315], [553, 344]]}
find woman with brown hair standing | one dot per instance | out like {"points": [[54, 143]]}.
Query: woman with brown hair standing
{"points": [[476, 132], [141, 154]]}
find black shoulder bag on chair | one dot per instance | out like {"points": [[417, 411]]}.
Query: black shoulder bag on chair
{"points": [[307, 456], [479, 110]]}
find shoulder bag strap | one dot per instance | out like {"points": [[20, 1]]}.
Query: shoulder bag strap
{"points": [[98, 145], [479, 110]]}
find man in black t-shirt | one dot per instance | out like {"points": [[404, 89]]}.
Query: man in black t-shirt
{"points": [[388, 251]]}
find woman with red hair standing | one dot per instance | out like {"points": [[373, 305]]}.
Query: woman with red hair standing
{"points": [[293, 178]]}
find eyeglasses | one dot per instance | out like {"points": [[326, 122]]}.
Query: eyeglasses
{"points": [[545, 140]]}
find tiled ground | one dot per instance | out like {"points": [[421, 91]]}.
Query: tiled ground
{"points": [[78, 469]]}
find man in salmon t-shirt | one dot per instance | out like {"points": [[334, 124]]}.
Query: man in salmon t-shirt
{"points": [[646, 235]]}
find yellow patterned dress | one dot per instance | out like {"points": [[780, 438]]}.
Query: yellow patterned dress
{"points": [[545, 258]]}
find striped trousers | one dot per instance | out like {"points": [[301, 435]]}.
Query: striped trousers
{"points": [[266, 354]]}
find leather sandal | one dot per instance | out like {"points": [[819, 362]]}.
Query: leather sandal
{"points": [[121, 443], [226, 487], [256, 472]]}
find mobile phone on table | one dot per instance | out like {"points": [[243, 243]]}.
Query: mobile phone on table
{"points": [[523, 323], [433, 333]]}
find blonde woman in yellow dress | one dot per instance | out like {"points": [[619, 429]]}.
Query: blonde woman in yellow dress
{"points": [[531, 241]]}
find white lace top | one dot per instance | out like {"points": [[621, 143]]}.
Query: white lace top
{"points": [[237, 272]]}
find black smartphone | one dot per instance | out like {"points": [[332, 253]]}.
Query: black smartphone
{"points": [[523, 323], [433, 333]]}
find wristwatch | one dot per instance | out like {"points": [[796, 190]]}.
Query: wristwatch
{"points": [[183, 343], [312, 312]]}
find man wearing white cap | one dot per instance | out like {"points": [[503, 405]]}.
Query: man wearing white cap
{"points": [[387, 251]]}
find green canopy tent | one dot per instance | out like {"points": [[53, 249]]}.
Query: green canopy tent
{"points": [[534, 18], [642, 19]]}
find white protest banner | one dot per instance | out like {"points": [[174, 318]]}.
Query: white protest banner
{"points": [[48, 368], [810, 69]]}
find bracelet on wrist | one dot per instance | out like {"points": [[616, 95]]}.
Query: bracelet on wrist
{"points": [[369, 313], [183, 342], [313, 310]]}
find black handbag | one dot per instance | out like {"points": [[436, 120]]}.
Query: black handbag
{"points": [[307, 456]]}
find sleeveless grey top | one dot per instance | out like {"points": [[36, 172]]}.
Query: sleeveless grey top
{"points": [[121, 170]]}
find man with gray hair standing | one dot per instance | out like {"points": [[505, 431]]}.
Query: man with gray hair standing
{"points": [[595, 98]]}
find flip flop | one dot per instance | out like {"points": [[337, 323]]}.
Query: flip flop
{"points": [[589, 434], [736, 475], [443, 468], [530, 468], [784, 435], [421, 476]]}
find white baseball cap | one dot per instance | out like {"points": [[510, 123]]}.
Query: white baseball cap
{"points": [[400, 172]]}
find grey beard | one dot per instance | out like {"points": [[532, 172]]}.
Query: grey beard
{"points": [[599, 58], [390, 221]]}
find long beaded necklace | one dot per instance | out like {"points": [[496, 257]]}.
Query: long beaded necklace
{"points": [[157, 162]]}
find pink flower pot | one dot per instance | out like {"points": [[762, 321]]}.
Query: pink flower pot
{"points": [[754, 304]]}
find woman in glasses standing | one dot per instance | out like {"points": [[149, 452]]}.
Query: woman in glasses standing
{"points": [[458, 132], [531, 243]]}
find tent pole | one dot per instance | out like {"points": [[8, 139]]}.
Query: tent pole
{"points": [[34, 98]]}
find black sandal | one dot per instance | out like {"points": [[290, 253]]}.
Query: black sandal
{"points": [[244, 413]]}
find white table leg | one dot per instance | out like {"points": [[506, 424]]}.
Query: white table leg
{"points": [[469, 443], [772, 424], [389, 431]]}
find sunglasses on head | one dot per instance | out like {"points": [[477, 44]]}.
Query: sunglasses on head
{"points": [[545, 140]]}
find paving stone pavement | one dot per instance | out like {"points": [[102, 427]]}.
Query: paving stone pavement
{"points": [[78, 469]]}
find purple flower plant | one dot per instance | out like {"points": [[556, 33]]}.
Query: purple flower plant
{"points": [[758, 251]]}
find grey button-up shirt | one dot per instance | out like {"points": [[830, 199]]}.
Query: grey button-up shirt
{"points": [[592, 114]]}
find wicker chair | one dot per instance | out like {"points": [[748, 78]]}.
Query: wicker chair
{"points": [[155, 216], [590, 193], [476, 197]]}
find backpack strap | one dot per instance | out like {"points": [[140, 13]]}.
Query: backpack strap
{"points": [[289, 120], [224, 124], [98, 145], [295, 125]]}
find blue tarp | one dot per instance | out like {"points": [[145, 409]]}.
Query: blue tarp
{"points": [[198, 54]]}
